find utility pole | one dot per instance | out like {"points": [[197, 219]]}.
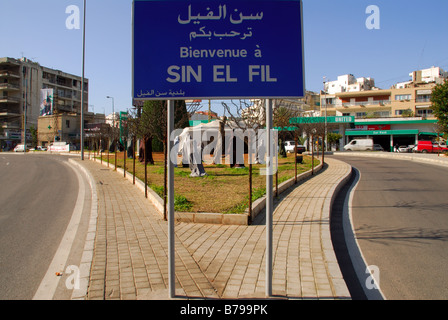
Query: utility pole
{"points": [[83, 79], [209, 111], [326, 134], [26, 109]]}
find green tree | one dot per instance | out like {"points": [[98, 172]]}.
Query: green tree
{"points": [[439, 100], [34, 137], [154, 120], [333, 138]]}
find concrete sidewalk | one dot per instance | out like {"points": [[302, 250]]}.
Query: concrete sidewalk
{"points": [[215, 261]]}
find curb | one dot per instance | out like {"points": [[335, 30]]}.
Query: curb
{"points": [[80, 293], [340, 287]]}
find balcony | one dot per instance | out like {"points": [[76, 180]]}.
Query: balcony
{"points": [[8, 74], [9, 100], [9, 87], [425, 99], [365, 103]]}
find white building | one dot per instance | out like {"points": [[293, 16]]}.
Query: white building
{"points": [[348, 83], [430, 75], [113, 119]]}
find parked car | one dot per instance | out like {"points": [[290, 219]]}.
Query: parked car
{"points": [[405, 149], [21, 148], [38, 148], [429, 147], [359, 145], [377, 147], [289, 147]]}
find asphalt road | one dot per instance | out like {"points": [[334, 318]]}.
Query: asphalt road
{"points": [[400, 217], [37, 197]]}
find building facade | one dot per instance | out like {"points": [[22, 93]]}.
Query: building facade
{"points": [[29, 91], [401, 115]]}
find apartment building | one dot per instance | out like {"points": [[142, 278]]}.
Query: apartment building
{"points": [[399, 115], [65, 127], [348, 83], [29, 91]]}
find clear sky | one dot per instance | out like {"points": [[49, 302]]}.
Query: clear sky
{"points": [[413, 35]]}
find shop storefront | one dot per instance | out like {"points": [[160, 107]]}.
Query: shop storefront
{"points": [[393, 132]]}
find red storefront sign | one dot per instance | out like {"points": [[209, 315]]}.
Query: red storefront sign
{"points": [[374, 127]]}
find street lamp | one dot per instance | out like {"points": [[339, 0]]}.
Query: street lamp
{"points": [[113, 110], [325, 100], [82, 82], [113, 130]]}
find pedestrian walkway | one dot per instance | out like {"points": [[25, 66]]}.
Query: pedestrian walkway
{"points": [[130, 259]]}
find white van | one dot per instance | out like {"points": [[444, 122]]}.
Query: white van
{"points": [[21, 148], [359, 145]]}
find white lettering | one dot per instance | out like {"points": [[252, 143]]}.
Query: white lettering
{"points": [[171, 72], [263, 71], [217, 73], [189, 52], [186, 74]]}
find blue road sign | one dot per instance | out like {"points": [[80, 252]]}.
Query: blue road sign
{"points": [[217, 49]]}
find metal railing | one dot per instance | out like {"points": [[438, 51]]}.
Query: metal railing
{"points": [[365, 103]]}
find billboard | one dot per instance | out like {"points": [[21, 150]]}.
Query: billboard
{"points": [[46, 106], [217, 49]]}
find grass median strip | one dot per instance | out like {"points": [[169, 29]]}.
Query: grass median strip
{"points": [[222, 190]]}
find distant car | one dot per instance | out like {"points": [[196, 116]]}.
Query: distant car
{"points": [[405, 149], [377, 147], [38, 148], [408, 149], [20, 148], [289, 147], [359, 145], [430, 147]]}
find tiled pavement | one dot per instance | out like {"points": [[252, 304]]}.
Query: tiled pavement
{"points": [[214, 261]]}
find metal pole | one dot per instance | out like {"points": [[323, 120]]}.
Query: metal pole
{"points": [[26, 109], [325, 140], [82, 81], [269, 197], [170, 201]]}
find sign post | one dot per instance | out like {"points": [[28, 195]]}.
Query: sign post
{"points": [[269, 198], [170, 203], [229, 49]]}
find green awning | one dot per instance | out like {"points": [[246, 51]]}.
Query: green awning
{"points": [[430, 134], [332, 119]]}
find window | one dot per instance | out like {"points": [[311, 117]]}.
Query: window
{"points": [[424, 112], [67, 124], [328, 101], [361, 114], [381, 114], [400, 97], [423, 98]]}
